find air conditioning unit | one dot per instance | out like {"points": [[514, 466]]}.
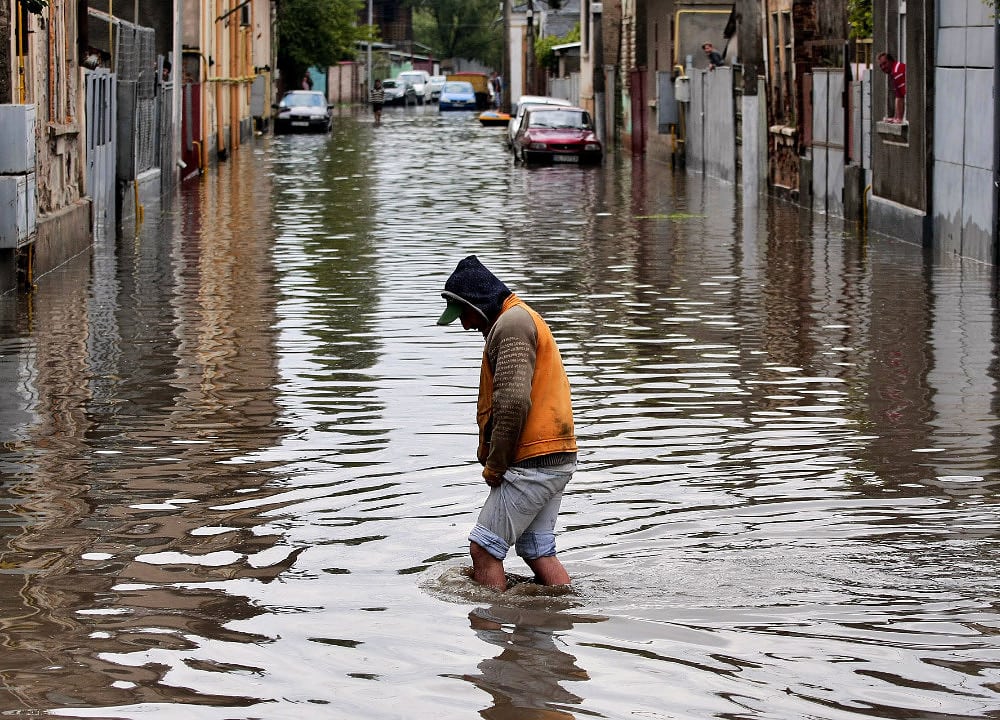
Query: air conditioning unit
{"points": [[18, 210], [17, 150]]}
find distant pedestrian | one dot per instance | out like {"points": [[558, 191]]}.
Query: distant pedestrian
{"points": [[714, 58], [377, 99], [896, 71], [496, 82], [307, 81]]}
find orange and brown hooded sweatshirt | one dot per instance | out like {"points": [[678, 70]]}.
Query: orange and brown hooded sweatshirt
{"points": [[524, 410]]}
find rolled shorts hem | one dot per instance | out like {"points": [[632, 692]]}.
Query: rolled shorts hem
{"points": [[489, 541]]}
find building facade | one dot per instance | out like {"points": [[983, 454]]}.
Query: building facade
{"points": [[805, 116], [45, 215]]}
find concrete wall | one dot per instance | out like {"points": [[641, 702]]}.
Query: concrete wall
{"points": [[62, 235], [964, 122]]}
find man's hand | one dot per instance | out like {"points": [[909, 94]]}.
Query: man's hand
{"points": [[492, 478]]}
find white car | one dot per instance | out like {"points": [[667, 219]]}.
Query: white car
{"points": [[517, 112], [432, 90], [416, 79]]}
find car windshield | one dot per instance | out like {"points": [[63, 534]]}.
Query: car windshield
{"points": [[388, 83], [306, 99], [569, 119], [458, 87]]}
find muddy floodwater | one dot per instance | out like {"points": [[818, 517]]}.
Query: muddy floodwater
{"points": [[238, 472]]}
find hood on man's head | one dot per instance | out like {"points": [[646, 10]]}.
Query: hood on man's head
{"points": [[474, 285]]}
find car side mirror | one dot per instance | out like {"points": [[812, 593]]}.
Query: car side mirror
{"points": [[274, 106]]}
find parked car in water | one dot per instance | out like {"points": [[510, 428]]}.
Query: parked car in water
{"points": [[457, 95], [480, 86], [432, 90], [303, 111], [517, 111], [396, 93], [554, 134], [416, 79]]}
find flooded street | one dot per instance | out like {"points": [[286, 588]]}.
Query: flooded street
{"points": [[238, 464]]}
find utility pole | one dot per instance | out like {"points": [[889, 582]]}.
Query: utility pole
{"points": [[597, 9], [505, 71], [368, 65], [529, 62]]}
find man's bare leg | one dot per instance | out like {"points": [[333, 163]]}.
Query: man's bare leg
{"points": [[486, 569], [549, 571]]}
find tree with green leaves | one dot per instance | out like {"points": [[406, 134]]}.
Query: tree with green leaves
{"points": [[859, 15], [545, 56], [317, 33], [471, 29]]}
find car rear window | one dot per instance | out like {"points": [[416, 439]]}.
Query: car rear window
{"points": [[575, 119]]}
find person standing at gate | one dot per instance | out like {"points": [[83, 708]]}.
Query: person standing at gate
{"points": [[714, 59], [496, 83], [896, 71]]}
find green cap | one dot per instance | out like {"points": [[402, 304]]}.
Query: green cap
{"points": [[452, 313]]}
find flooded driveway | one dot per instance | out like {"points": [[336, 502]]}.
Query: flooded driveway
{"points": [[238, 463]]}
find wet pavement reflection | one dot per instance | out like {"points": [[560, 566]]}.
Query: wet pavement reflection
{"points": [[238, 471]]}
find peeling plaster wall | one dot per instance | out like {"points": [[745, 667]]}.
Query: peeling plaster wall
{"points": [[55, 87]]}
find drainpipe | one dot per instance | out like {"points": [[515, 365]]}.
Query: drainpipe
{"points": [[529, 61], [506, 69]]}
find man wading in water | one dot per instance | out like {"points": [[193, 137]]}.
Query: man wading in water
{"points": [[527, 444]]}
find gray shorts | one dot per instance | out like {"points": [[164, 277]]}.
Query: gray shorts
{"points": [[522, 511]]}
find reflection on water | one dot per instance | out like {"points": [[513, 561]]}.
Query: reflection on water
{"points": [[528, 678], [237, 472]]}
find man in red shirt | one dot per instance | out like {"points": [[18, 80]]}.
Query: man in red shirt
{"points": [[897, 73]]}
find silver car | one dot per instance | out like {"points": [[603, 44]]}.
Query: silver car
{"points": [[432, 90], [396, 92]]}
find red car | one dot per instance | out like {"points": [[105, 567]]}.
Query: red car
{"points": [[555, 134]]}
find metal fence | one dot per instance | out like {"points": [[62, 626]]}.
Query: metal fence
{"points": [[138, 114], [565, 87]]}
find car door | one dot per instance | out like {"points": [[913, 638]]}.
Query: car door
{"points": [[519, 139]]}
